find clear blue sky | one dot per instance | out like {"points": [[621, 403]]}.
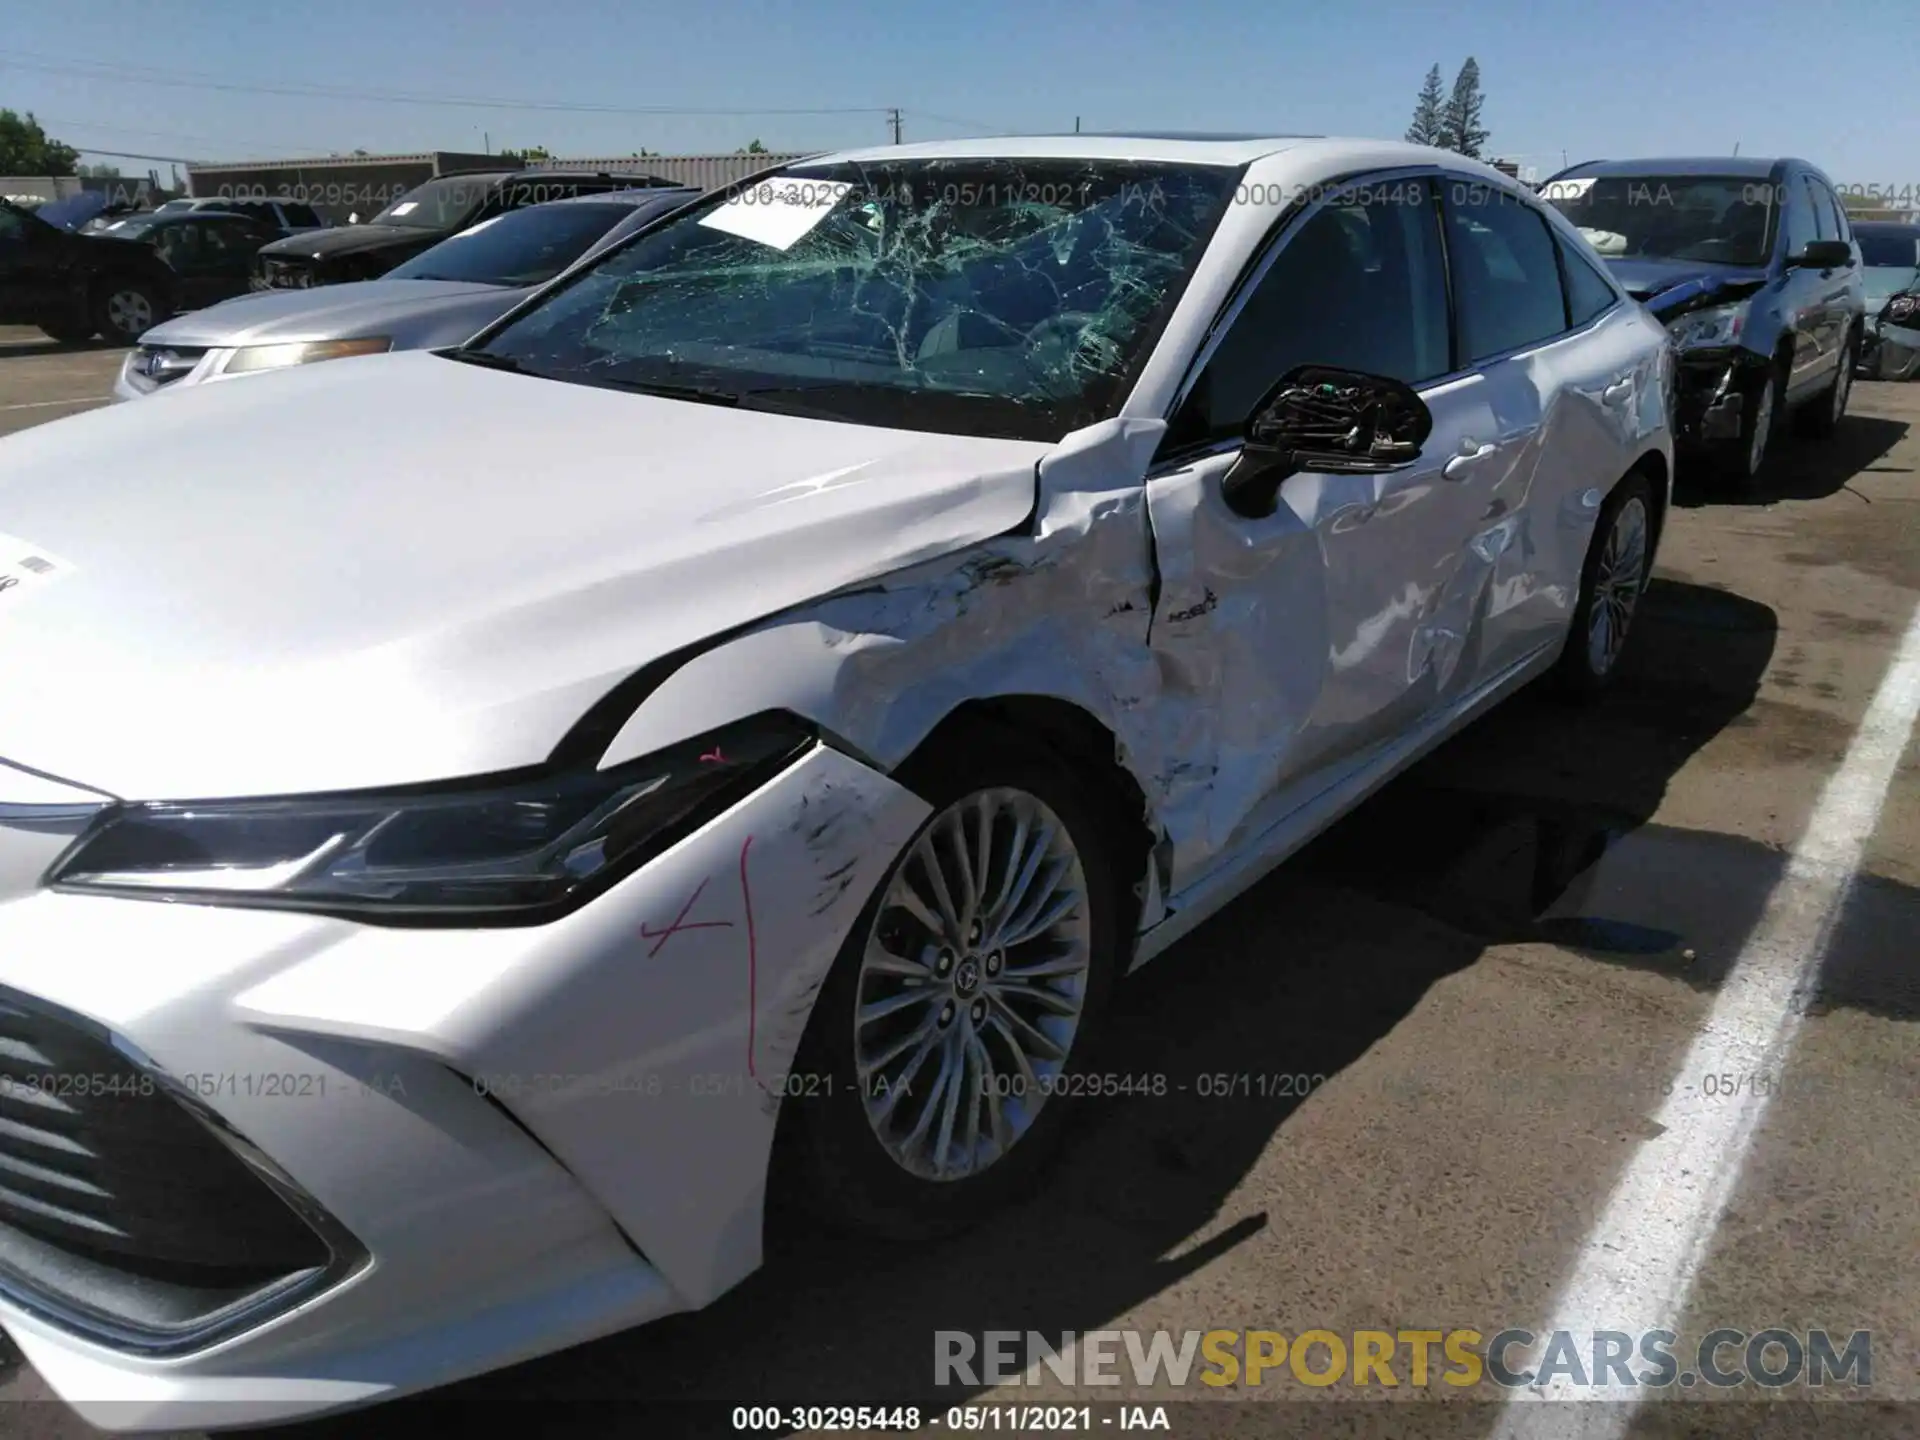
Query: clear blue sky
{"points": [[1629, 77]]}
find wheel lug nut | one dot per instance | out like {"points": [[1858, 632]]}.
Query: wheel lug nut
{"points": [[945, 963], [979, 1011], [993, 963], [946, 1013]]}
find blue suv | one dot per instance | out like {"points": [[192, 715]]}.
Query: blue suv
{"points": [[1753, 267]]}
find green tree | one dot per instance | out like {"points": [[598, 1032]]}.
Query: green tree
{"points": [[1426, 128], [1460, 120], [754, 148], [528, 156], [26, 149], [99, 172]]}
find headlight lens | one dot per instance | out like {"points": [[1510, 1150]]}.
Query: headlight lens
{"points": [[1707, 329], [1902, 307], [521, 850], [275, 357]]}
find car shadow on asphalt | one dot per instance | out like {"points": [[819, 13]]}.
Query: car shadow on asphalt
{"points": [[58, 347], [1797, 468], [1496, 837]]}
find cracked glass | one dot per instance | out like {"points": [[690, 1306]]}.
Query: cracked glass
{"points": [[1000, 297]]}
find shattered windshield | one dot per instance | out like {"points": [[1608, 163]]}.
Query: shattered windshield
{"points": [[1721, 220], [1001, 297]]}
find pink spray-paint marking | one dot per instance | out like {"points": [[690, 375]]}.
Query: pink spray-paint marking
{"points": [[753, 967], [679, 925], [660, 938], [713, 757]]}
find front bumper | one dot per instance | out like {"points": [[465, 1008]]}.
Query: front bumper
{"points": [[505, 1141], [1713, 390], [1889, 352], [131, 383]]}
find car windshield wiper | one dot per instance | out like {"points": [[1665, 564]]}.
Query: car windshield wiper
{"points": [[666, 391], [489, 359]]}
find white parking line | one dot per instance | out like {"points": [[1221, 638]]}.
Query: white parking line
{"points": [[1639, 1263], [46, 404]]}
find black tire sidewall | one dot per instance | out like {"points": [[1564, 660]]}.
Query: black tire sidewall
{"points": [[1575, 671], [1740, 467], [826, 1145], [156, 301]]}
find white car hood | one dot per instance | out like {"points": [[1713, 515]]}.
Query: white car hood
{"points": [[411, 569]]}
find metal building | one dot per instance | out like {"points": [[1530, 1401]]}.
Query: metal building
{"points": [[704, 172]]}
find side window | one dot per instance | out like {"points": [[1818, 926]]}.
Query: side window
{"points": [[1359, 285], [238, 238], [1825, 227], [12, 226], [1841, 229], [1588, 293], [178, 244], [1506, 275], [301, 215], [1797, 219]]}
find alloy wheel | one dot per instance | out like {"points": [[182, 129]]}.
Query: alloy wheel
{"points": [[972, 984], [129, 312], [1617, 583]]}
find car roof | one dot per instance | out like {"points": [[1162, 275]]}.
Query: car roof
{"points": [[1736, 166], [1147, 145], [623, 197]]}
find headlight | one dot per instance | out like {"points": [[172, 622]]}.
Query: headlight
{"points": [[1709, 329], [1901, 307], [274, 357], [511, 851]]}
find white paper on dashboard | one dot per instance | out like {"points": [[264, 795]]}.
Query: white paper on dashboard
{"points": [[1567, 189], [780, 211]]}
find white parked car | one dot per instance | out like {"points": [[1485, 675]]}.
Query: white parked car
{"points": [[730, 725]]}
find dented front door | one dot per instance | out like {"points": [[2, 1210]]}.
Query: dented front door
{"points": [[1314, 635]]}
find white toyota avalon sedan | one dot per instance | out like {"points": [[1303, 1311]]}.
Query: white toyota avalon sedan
{"points": [[727, 728]]}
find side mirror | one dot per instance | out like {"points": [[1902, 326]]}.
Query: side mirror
{"points": [[1822, 255], [1341, 422]]}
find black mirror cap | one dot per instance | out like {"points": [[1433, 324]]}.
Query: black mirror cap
{"points": [[1340, 421], [1823, 255]]}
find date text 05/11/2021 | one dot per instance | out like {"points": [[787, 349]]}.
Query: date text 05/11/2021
{"points": [[1010, 1418]]}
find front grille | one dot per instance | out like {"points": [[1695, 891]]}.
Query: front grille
{"points": [[158, 365], [285, 275], [120, 1205]]}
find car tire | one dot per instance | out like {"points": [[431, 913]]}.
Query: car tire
{"points": [[831, 1157], [1760, 417], [68, 332], [1821, 417], [125, 308], [1613, 579]]}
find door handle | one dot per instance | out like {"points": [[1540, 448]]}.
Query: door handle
{"points": [[1455, 467], [1617, 392]]}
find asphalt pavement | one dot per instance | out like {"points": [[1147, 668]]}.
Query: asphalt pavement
{"points": [[1518, 981]]}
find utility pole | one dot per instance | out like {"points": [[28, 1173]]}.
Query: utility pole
{"points": [[893, 120], [1076, 124], [486, 143]]}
